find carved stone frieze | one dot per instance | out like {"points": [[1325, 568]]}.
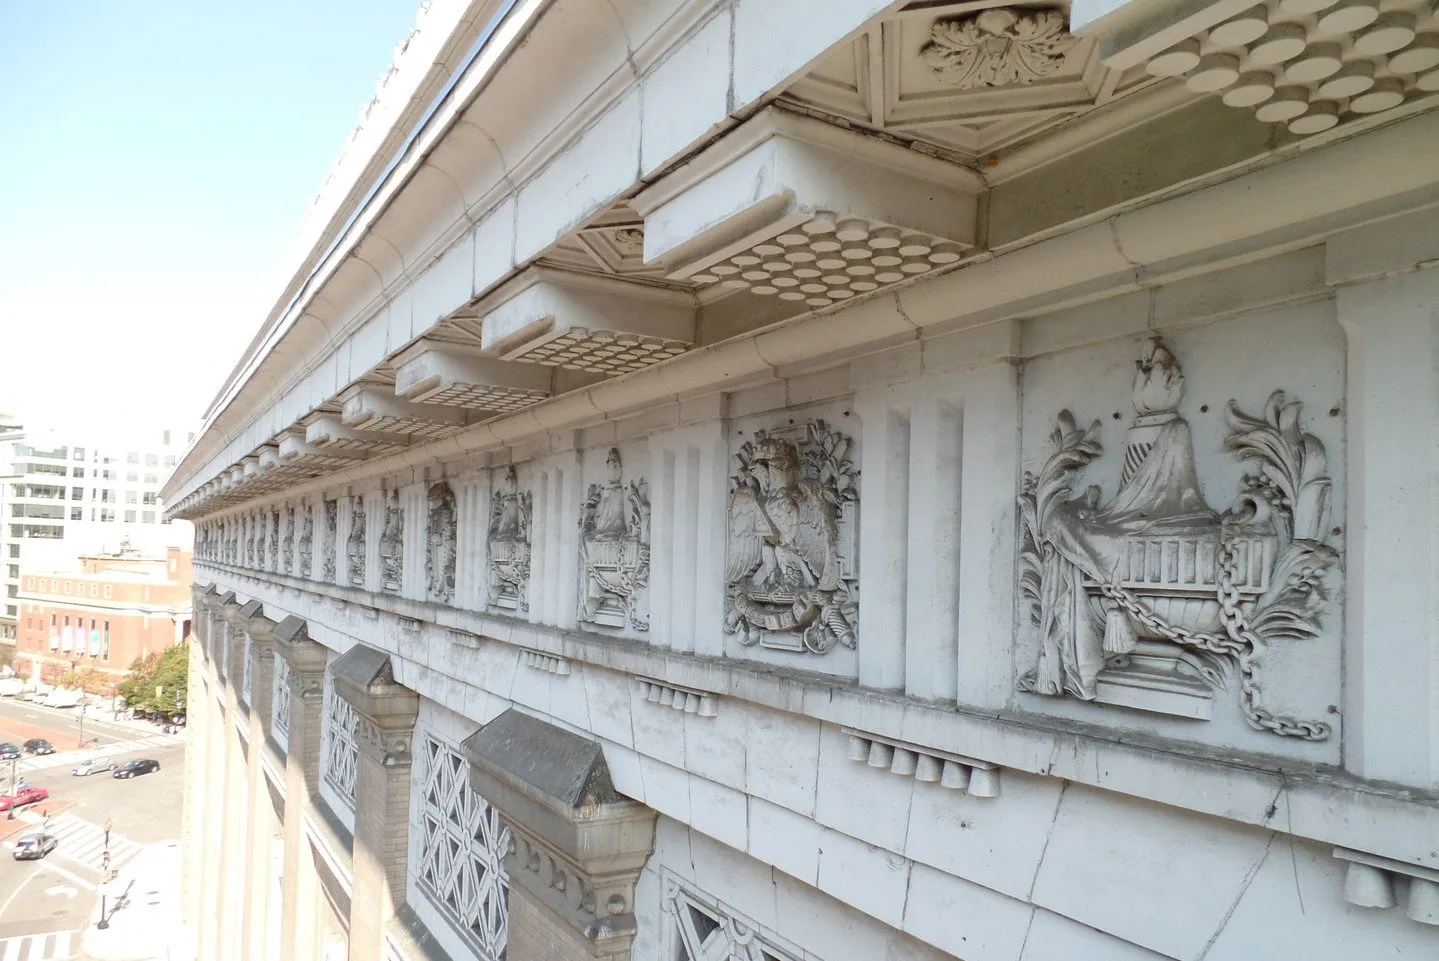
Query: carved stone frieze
{"points": [[392, 544], [998, 47], [305, 549], [272, 542], [328, 537], [287, 541], [1154, 590], [355, 542], [790, 569], [251, 557], [615, 550], [441, 547], [511, 511]]}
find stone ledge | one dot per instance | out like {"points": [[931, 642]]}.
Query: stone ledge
{"points": [[1329, 806]]}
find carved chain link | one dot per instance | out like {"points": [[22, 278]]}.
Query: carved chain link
{"points": [[1239, 641]]}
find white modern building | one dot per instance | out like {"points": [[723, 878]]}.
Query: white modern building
{"points": [[829, 479], [77, 489]]}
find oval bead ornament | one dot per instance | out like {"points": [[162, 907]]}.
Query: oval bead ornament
{"points": [[1317, 119], [1305, 6], [1245, 28], [1176, 61], [1384, 95], [1214, 73], [1347, 17], [1429, 83], [1352, 80], [1250, 90], [1319, 61], [1421, 55], [1284, 106], [1282, 43], [1391, 32]]}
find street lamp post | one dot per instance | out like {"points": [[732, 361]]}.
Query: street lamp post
{"points": [[14, 765], [82, 722]]}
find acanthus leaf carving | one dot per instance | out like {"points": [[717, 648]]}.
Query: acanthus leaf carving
{"points": [[1155, 573], [790, 580], [615, 550], [441, 549], [998, 47], [392, 544], [509, 544]]}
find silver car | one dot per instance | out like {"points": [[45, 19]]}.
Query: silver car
{"points": [[92, 765], [31, 847]]}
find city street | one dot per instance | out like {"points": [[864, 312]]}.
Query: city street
{"points": [[45, 904]]}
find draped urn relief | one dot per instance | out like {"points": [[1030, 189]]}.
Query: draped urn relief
{"points": [[441, 535], [511, 511], [615, 550], [1153, 599], [791, 581], [272, 541], [305, 549], [355, 542], [392, 544], [288, 541]]}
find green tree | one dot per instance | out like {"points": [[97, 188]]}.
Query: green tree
{"points": [[172, 675], [138, 687]]}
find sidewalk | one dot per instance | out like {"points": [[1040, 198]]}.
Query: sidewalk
{"points": [[143, 908]]}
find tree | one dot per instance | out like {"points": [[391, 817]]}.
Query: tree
{"points": [[168, 672]]}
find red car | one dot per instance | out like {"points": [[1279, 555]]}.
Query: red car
{"points": [[22, 797]]}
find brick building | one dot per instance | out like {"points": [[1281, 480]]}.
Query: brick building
{"points": [[101, 616]]}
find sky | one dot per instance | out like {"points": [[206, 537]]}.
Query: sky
{"points": [[156, 159]]}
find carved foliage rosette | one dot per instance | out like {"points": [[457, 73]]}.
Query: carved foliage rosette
{"points": [[1154, 576], [441, 534], [998, 47], [355, 542], [511, 510], [615, 550], [392, 544], [790, 565]]}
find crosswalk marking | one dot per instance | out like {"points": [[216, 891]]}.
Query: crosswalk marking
{"points": [[84, 843], [71, 758], [53, 946]]}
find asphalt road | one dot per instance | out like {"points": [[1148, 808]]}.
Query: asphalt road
{"points": [[58, 892]]}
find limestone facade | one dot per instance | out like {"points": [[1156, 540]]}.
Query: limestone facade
{"points": [[839, 480]]}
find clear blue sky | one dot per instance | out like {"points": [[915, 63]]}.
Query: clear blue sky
{"points": [[156, 157]]}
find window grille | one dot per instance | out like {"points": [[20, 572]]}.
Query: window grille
{"points": [[463, 847], [340, 752]]}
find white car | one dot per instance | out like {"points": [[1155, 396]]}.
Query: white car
{"points": [[92, 765]]}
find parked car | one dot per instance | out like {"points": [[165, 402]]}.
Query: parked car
{"points": [[31, 847], [92, 765], [9, 751], [38, 745], [22, 797], [140, 765]]}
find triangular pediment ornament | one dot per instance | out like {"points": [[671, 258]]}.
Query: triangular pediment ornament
{"points": [[1156, 573]]}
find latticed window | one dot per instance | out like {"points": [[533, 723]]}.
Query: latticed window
{"points": [[339, 751], [463, 846], [247, 670], [280, 709], [702, 928]]}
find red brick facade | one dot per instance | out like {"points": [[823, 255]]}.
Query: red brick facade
{"points": [[104, 616]]}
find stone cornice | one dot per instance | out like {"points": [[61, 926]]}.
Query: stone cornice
{"points": [[1329, 806]]}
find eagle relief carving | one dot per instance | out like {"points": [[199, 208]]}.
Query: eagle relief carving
{"points": [[997, 47], [1150, 599], [615, 550], [790, 566], [509, 544]]}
